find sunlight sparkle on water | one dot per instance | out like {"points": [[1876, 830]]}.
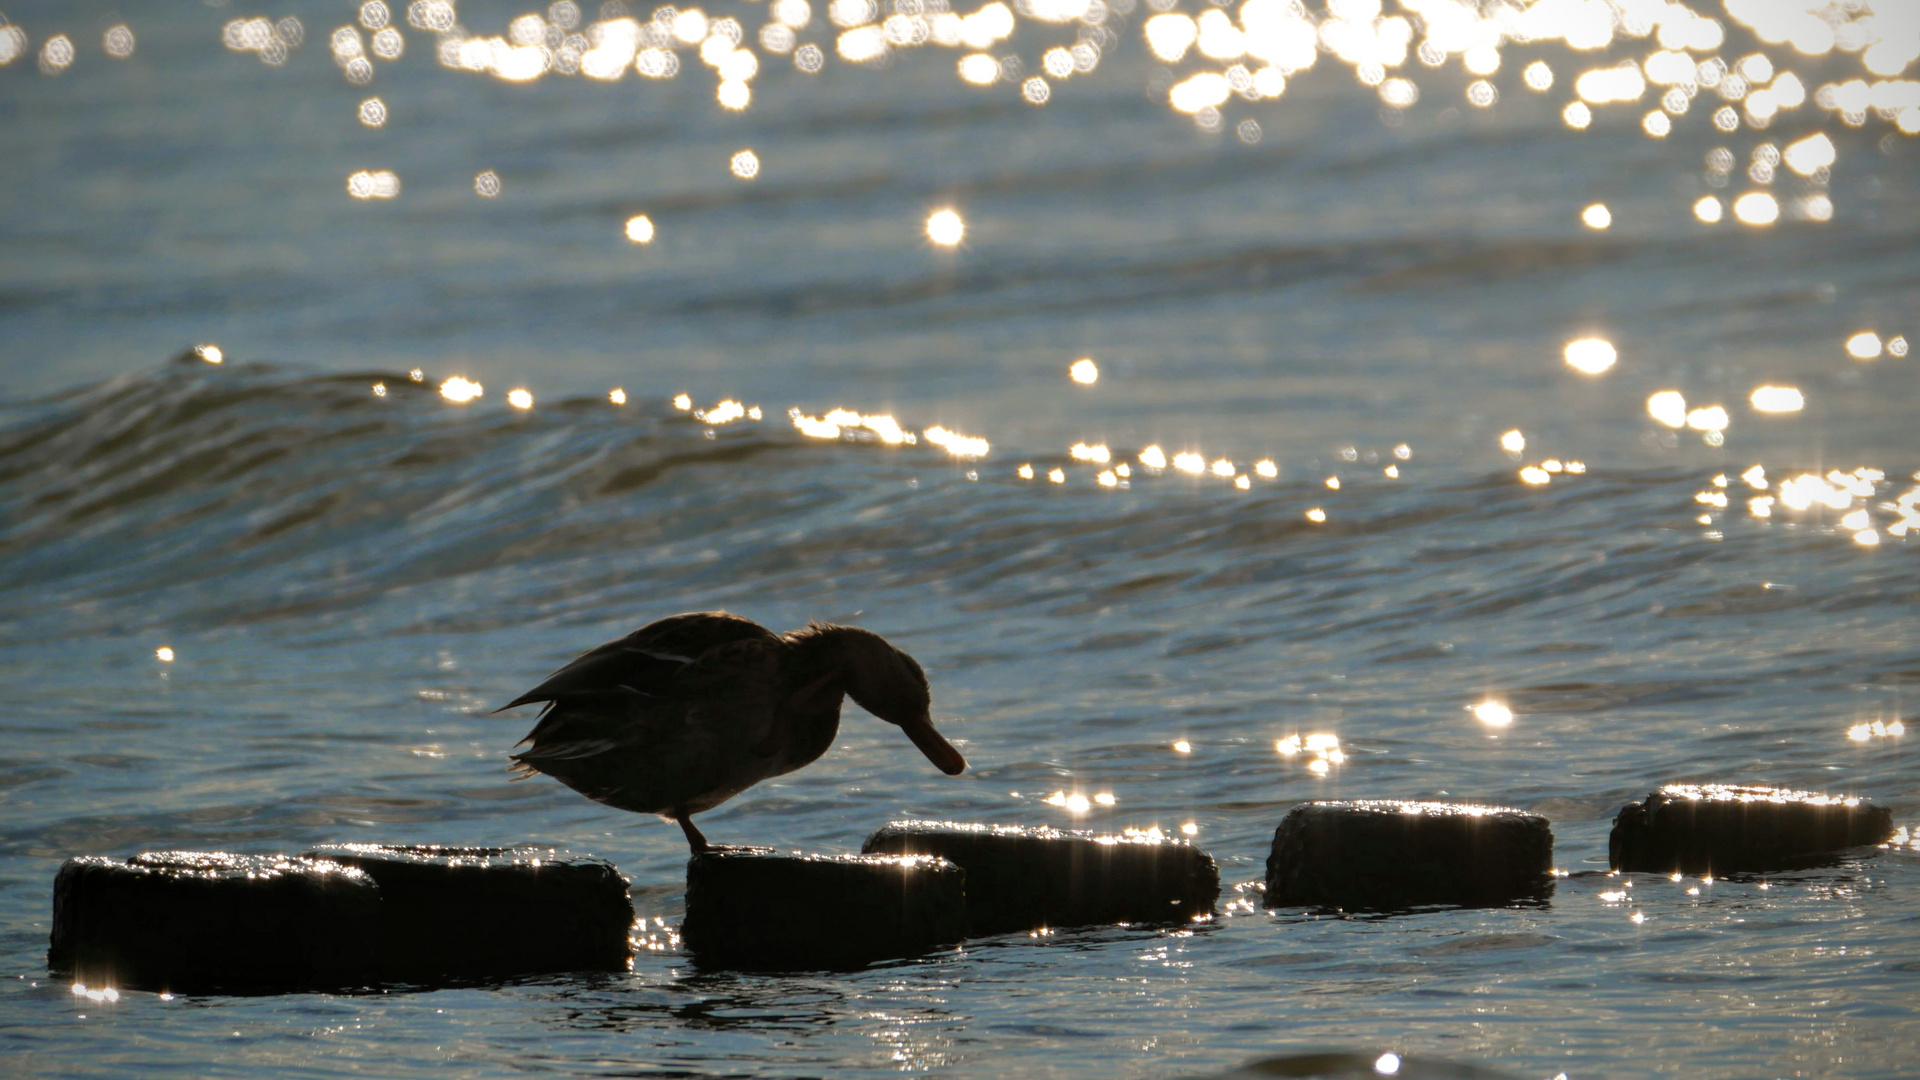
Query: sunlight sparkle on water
{"points": [[1864, 345], [1182, 746], [1669, 407], [1493, 713], [726, 412], [979, 69], [1878, 729], [1756, 208], [164, 654], [640, 229], [1513, 441], [1324, 748], [1777, 399], [945, 228], [1224, 61], [1810, 155], [460, 390], [1591, 355], [118, 42], [1075, 803], [1596, 216], [210, 353], [1711, 418], [520, 398], [1085, 372], [955, 443], [373, 184], [1153, 458], [617, 396]]}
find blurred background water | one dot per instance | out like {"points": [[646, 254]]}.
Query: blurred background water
{"points": [[1518, 395]]}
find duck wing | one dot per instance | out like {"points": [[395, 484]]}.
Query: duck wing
{"points": [[692, 745], [647, 661]]}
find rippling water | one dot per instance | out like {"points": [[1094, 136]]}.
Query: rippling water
{"points": [[1482, 572]]}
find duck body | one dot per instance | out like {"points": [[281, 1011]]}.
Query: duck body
{"points": [[689, 711]]}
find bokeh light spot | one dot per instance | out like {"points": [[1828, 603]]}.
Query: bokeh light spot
{"points": [[1591, 355], [460, 390], [945, 227]]}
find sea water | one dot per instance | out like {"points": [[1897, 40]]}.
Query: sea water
{"points": [[323, 438]]}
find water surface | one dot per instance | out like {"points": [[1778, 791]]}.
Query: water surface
{"points": [[349, 581]]}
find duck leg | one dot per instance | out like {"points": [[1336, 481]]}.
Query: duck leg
{"points": [[694, 839]]}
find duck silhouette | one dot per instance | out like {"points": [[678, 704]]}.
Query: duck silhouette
{"points": [[689, 711]]}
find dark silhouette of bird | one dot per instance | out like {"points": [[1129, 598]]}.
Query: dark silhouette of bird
{"points": [[687, 712]]}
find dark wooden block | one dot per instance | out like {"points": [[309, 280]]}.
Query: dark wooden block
{"points": [[1382, 855], [751, 909], [1023, 877], [206, 921], [477, 912], [1728, 829]]}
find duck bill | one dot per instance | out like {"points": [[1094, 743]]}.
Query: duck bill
{"points": [[938, 750]]}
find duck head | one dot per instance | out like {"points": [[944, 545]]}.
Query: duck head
{"points": [[890, 684]]}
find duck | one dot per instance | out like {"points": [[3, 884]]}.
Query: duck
{"points": [[690, 710]]}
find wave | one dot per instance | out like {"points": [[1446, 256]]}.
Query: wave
{"points": [[239, 494]]}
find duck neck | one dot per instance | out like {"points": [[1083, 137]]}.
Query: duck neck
{"points": [[819, 651], [822, 648]]}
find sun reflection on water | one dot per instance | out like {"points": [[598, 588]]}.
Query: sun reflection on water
{"points": [[461, 390], [1591, 355], [1735, 61], [1492, 713]]}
